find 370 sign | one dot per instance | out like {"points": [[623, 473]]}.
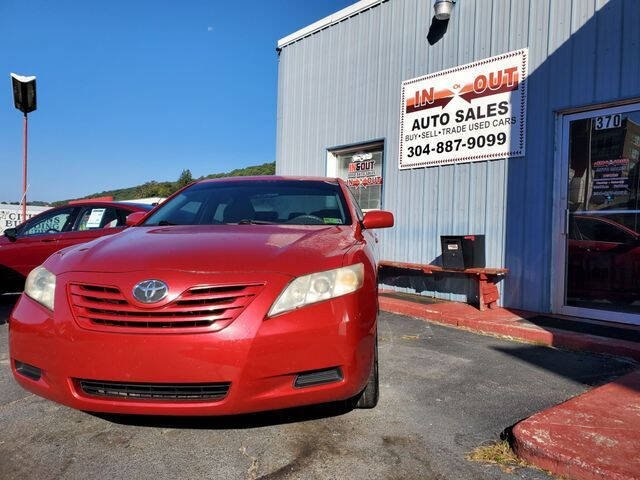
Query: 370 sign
{"points": [[468, 113]]}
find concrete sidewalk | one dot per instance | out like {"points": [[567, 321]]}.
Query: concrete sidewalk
{"points": [[595, 435]]}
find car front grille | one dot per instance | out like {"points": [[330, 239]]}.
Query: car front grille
{"points": [[155, 391], [202, 308]]}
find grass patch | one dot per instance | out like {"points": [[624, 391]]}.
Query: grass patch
{"points": [[499, 453]]}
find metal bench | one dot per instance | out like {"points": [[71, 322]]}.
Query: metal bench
{"points": [[488, 293]]}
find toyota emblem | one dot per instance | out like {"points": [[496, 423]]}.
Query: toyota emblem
{"points": [[150, 291]]}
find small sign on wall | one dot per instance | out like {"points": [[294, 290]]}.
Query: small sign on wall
{"points": [[468, 113]]}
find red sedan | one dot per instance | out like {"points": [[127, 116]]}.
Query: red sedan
{"points": [[27, 246], [235, 295]]}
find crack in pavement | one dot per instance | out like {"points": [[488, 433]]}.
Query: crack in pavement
{"points": [[252, 472]]}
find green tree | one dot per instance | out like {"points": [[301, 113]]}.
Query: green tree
{"points": [[164, 189], [185, 178]]}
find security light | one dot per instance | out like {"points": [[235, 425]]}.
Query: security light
{"points": [[24, 93], [443, 9]]}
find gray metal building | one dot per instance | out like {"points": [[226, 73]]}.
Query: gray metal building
{"points": [[339, 93]]}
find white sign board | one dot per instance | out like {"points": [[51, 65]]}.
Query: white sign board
{"points": [[604, 122], [468, 113], [11, 215], [95, 218]]}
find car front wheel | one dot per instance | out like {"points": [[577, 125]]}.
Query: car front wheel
{"points": [[368, 398]]}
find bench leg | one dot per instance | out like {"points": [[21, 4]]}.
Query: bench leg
{"points": [[488, 293]]}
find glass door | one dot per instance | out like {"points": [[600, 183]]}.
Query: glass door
{"points": [[601, 240]]}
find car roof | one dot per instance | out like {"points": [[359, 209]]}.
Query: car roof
{"points": [[134, 206], [141, 206], [611, 222], [269, 178]]}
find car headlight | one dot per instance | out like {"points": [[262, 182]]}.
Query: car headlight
{"points": [[317, 287], [41, 286]]}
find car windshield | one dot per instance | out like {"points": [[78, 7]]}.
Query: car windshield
{"points": [[292, 202]]}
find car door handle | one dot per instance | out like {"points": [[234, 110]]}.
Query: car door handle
{"points": [[48, 240]]}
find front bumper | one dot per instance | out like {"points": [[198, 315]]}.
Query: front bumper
{"points": [[260, 357]]}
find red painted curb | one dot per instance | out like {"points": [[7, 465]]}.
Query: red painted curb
{"points": [[502, 322], [593, 436]]}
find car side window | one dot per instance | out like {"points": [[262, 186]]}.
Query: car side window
{"points": [[598, 231], [52, 222], [96, 217]]}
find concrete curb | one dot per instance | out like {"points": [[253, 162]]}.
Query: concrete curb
{"points": [[593, 436]]}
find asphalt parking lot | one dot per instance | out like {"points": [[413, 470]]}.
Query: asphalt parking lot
{"points": [[443, 392]]}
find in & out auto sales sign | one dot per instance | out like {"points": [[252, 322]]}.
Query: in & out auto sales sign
{"points": [[468, 113]]}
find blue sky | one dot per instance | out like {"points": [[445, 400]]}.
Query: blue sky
{"points": [[136, 90]]}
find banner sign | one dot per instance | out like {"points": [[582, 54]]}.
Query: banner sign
{"points": [[362, 171], [468, 113], [610, 182], [11, 215]]}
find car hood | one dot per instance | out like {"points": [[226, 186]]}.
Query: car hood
{"points": [[294, 250]]}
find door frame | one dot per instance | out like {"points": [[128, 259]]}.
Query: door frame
{"points": [[560, 217]]}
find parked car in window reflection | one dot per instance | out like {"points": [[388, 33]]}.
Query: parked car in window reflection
{"points": [[604, 260]]}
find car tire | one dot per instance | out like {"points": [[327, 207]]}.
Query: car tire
{"points": [[368, 398]]}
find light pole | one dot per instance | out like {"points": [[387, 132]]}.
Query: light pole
{"points": [[24, 99]]}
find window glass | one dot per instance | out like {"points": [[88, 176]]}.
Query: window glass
{"points": [[52, 222], [600, 230], [603, 165], [361, 169], [603, 247], [283, 201], [93, 218], [183, 209]]}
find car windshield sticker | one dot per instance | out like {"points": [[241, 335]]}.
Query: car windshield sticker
{"points": [[95, 218], [332, 221]]}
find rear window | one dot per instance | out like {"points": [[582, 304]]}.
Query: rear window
{"points": [[292, 202]]}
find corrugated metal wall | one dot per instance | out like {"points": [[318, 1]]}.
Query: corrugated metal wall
{"points": [[341, 86]]}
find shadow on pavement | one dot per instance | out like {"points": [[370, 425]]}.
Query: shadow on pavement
{"points": [[581, 367], [246, 421]]}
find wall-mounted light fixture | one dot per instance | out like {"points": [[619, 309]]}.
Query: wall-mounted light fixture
{"points": [[440, 21], [443, 9]]}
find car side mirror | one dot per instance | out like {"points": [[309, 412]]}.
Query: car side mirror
{"points": [[134, 218], [11, 234], [377, 219]]}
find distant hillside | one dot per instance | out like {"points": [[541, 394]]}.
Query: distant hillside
{"points": [[35, 203], [164, 189]]}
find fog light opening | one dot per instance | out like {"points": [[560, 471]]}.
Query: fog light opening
{"points": [[318, 377], [29, 371]]}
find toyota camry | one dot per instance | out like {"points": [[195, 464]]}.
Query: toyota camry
{"points": [[233, 296]]}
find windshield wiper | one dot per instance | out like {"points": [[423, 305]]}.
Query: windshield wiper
{"points": [[246, 221], [165, 223]]}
